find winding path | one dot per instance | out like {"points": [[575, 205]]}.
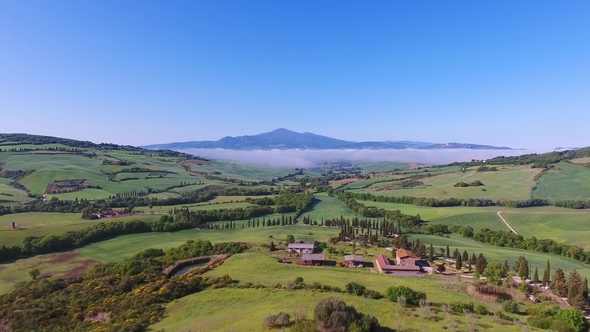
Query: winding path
{"points": [[506, 222]]}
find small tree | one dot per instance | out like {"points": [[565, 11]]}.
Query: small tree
{"points": [[272, 246], [431, 253], [34, 273], [575, 290], [536, 276], [290, 238], [448, 252], [493, 272], [481, 263]]}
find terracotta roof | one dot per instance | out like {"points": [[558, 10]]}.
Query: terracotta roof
{"points": [[354, 258], [403, 253], [313, 257], [382, 261]]}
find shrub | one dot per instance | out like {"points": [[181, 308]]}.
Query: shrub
{"points": [[298, 281], [412, 297], [304, 326], [481, 310], [355, 288], [574, 318], [461, 307], [334, 315], [276, 321], [510, 307]]}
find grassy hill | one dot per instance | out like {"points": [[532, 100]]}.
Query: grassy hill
{"points": [[565, 182]]}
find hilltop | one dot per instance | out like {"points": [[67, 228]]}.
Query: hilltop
{"points": [[284, 139]]}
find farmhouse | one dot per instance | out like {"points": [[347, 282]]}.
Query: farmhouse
{"points": [[354, 260], [312, 259], [384, 266], [302, 248], [405, 257]]}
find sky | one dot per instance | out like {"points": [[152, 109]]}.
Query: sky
{"points": [[505, 73]]}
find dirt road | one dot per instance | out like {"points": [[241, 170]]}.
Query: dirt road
{"points": [[506, 222]]}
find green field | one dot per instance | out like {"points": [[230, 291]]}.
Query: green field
{"points": [[328, 208], [478, 220], [378, 167], [511, 182], [59, 265], [10, 193], [215, 310], [41, 224], [242, 171], [427, 213], [571, 182], [571, 228], [119, 248], [581, 160]]}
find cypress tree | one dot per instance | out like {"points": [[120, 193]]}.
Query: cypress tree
{"points": [[506, 266], [536, 277], [480, 263], [548, 269], [465, 256], [545, 278], [431, 253], [558, 286], [575, 290], [523, 269], [458, 263], [448, 252]]}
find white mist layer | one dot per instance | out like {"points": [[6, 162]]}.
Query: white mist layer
{"points": [[309, 158]]}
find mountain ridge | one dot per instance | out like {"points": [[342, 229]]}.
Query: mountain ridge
{"points": [[284, 139]]}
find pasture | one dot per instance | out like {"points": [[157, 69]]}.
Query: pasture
{"points": [[427, 213], [509, 182], [477, 221], [58, 265], [215, 310], [327, 207], [41, 224], [9, 193], [570, 182], [121, 247], [242, 171], [572, 228]]}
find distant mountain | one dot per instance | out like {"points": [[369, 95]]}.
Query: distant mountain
{"points": [[283, 139]]}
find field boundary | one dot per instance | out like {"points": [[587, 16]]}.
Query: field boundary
{"points": [[506, 222]]}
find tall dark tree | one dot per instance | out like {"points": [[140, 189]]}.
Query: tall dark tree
{"points": [[473, 258], [448, 252], [585, 287], [548, 269], [431, 253], [272, 246], [465, 256], [480, 263], [523, 268], [506, 267], [558, 285], [545, 281], [575, 290], [536, 277], [458, 262]]}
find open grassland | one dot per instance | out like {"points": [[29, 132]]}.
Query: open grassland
{"points": [[59, 265], [477, 220], [245, 310], [570, 182], [511, 182], [242, 171], [570, 228], [536, 259], [328, 208], [427, 213], [41, 224], [9, 193], [119, 248], [378, 167]]}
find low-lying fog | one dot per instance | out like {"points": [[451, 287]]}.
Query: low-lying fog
{"points": [[309, 158]]}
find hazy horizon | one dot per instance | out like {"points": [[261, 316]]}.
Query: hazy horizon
{"points": [[307, 158]]}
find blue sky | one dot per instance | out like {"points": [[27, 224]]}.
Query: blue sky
{"points": [[513, 73]]}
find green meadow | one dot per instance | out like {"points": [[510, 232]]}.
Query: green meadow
{"points": [[327, 207], [509, 182], [570, 182], [43, 223], [570, 228], [215, 310]]}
